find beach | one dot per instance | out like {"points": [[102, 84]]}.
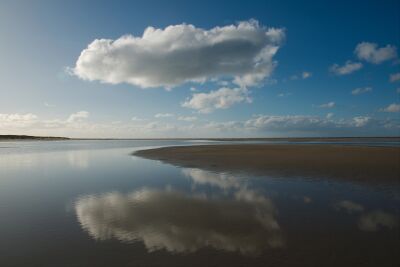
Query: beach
{"points": [[352, 163]]}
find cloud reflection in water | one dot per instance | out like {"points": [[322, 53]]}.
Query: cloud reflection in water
{"points": [[179, 223], [375, 220]]}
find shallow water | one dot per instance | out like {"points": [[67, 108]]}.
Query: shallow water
{"points": [[91, 203]]}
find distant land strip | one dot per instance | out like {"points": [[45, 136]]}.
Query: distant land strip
{"points": [[29, 137]]}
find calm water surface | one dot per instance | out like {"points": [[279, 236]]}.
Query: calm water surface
{"points": [[91, 203]]}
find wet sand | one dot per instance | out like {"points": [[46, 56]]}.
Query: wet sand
{"points": [[352, 163]]}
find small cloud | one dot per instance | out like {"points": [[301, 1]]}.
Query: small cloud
{"points": [[347, 68], [193, 89], [329, 115], [307, 200], [398, 90], [375, 220], [222, 98], [78, 116], [371, 53], [359, 91], [69, 71], [394, 77], [328, 105], [187, 118], [391, 108], [284, 94], [361, 121], [136, 119], [49, 105], [223, 83], [306, 74], [163, 115]]}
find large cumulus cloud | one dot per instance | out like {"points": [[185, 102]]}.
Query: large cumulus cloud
{"points": [[183, 53]]}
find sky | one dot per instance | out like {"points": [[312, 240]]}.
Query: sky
{"points": [[145, 69]]}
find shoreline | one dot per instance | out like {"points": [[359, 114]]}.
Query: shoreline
{"points": [[350, 163], [272, 139]]}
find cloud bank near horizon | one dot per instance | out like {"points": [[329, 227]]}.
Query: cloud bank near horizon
{"points": [[79, 124]]}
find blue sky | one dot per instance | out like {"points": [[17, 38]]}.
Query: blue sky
{"points": [[45, 89]]}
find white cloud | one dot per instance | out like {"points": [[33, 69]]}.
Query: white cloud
{"points": [[183, 53], [134, 118], [17, 117], [31, 124], [49, 105], [300, 125], [164, 115], [284, 94], [329, 115], [285, 123], [223, 83], [328, 105], [370, 52], [187, 118], [359, 91], [361, 121], [392, 108], [17, 120], [394, 77], [220, 99], [78, 116], [347, 68], [256, 126], [306, 74]]}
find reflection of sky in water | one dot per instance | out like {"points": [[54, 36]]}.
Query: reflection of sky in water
{"points": [[133, 201], [180, 222], [233, 218], [76, 159]]}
